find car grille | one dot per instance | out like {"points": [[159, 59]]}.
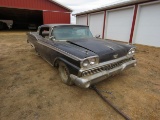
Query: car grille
{"points": [[105, 67]]}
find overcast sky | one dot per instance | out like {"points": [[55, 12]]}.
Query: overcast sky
{"points": [[84, 5]]}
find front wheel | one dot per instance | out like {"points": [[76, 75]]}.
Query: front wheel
{"points": [[64, 74]]}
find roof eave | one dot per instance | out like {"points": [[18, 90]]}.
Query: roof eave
{"points": [[60, 4], [126, 3], [53, 25]]}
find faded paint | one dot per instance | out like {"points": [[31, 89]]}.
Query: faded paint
{"points": [[55, 17]]}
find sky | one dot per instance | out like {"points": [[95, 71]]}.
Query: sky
{"points": [[84, 5]]}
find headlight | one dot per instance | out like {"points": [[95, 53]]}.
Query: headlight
{"points": [[85, 63], [90, 61], [131, 51]]}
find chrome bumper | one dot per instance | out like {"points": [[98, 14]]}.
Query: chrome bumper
{"points": [[86, 81]]}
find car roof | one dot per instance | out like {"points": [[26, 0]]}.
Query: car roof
{"points": [[53, 25]]}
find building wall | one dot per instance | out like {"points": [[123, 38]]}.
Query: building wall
{"points": [[52, 13], [147, 29], [32, 4], [81, 20], [55, 17], [96, 26], [139, 23], [118, 24]]}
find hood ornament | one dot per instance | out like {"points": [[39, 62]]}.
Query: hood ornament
{"points": [[115, 56]]}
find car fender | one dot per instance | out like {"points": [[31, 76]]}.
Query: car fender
{"points": [[72, 68]]}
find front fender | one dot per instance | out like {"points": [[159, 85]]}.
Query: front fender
{"points": [[72, 68]]}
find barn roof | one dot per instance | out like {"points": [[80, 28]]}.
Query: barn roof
{"points": [[60, 4], [48, 5]]}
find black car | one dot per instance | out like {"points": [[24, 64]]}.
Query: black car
{"points": [[81, 59]]}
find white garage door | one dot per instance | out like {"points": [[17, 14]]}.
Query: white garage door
{"points": [[147, 30], [96, 23], [81, 20], [118, 24]]}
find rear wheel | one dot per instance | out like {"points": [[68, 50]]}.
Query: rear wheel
{"points": [[64, 74]]}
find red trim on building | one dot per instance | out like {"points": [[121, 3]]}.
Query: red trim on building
{"points": [[133, 23], [104, 24]]}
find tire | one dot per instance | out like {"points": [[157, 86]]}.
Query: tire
{"points": [[64, 74]]}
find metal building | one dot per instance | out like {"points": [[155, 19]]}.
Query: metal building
{"points": [[135, 21], [26, 12]]}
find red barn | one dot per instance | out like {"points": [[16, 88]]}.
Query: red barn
{"points": [[33, 12]]}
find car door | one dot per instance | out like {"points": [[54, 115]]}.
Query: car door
{"points": [[47, 46], [43, 47]]}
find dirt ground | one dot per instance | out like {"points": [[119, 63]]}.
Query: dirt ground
{"points": [[30, 89]]}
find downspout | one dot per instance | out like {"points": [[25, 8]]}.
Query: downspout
{"points": [[133, 23], [104, 23]]}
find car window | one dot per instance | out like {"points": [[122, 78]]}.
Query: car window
{"points": [[44, 32], [71, 32], [80, 32]]}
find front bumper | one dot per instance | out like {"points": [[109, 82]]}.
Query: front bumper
{"points": [[86, 81]]}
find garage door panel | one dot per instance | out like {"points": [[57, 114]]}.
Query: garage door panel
{"points": [[118, 24], [81, 20], [96, 23], [148, 25]]}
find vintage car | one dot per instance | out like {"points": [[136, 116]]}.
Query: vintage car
{"points": [[80, 58]]}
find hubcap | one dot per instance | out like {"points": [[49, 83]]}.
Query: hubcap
{"points": [[64, 73]]}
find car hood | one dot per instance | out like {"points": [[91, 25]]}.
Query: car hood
{"points": [[105, 49], [73, 49]]}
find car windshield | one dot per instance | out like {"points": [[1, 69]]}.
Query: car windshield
{"points": [[71, 32]]}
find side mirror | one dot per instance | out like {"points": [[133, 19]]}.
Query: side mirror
{"points": [[98, 36], [52, 38]]}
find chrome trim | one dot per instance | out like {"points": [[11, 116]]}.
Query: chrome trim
{"points": [[88, 58], [33, 35], [105, 67], [131, 50], [115, 56], [107, 62], [86, 81], [51, 29]]}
